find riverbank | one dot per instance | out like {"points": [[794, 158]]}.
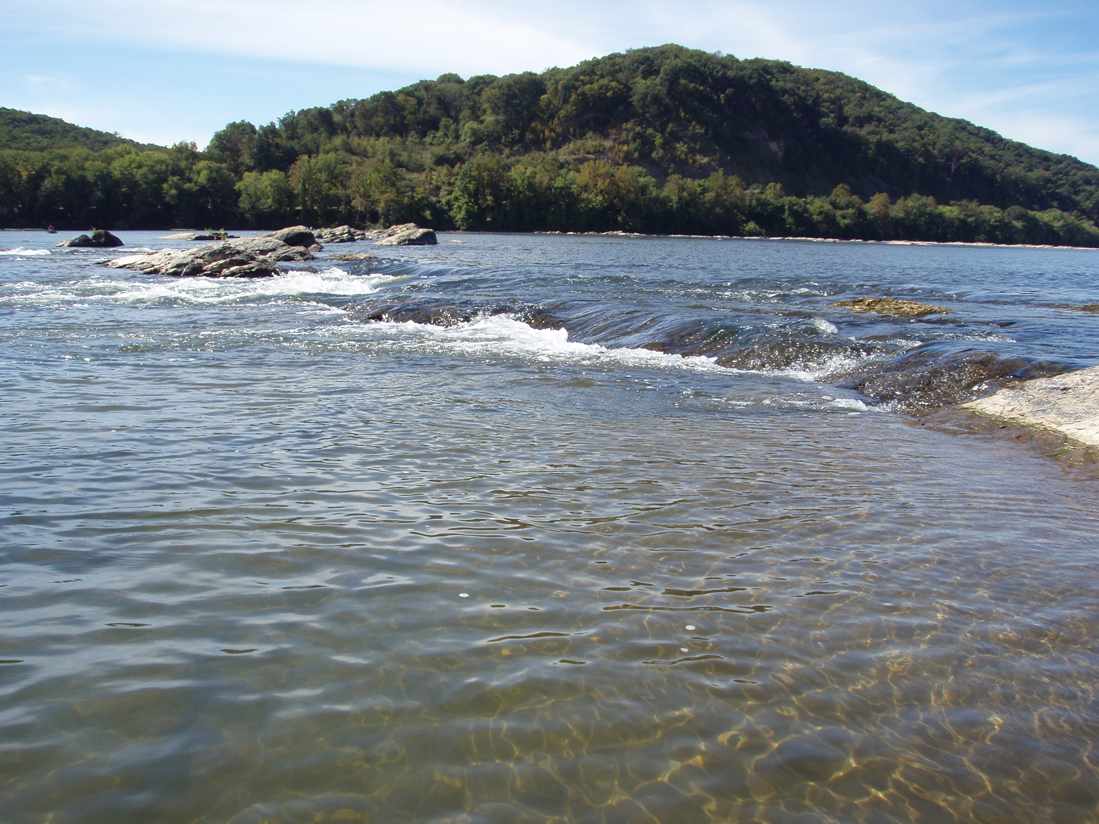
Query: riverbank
{"points": [[945, 243]]}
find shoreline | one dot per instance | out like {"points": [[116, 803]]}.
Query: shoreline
{"points": [[953, 244], [618, 233]]}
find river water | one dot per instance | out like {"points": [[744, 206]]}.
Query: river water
{"points": [[527, 528]]}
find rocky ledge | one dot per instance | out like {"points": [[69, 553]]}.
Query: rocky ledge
{"points": [[1067, 404], [893, 307], [405, 234], [252, 257], [340, 234], [99, 239]]}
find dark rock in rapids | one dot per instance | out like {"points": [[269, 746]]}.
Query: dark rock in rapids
{"points": [[99, 239], [296, 236], [893, 307], [928, 379], [212, 236], [339, 234], [441, 313], [405, 234], [243, 258]]}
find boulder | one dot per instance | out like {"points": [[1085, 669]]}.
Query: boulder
{"points": [[893, 307], [99, 239], [339, 234], [406, 234], [242, 258], [296, 236]]}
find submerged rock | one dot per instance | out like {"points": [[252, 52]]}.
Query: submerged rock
{"points": [[1068, 404], [406, 234], [893, 307], [242, 258], [354, 257], [99, 239], [339, 234], [928, 378]]}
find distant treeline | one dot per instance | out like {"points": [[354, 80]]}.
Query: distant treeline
{"points": [[663, 140]]}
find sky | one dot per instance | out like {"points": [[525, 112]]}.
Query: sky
{"points": [[164, 71]]}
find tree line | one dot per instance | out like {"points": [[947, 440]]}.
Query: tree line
{"points": [[663, 140]]}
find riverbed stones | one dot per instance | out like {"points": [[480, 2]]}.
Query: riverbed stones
{"points": [[99, 239], [243, 258], [1067, 404], [893, 307]]}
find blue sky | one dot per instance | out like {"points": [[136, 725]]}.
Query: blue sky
{"points": [[169, 70]]}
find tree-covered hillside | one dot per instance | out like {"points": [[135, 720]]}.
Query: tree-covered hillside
{"points": [[38, 132], [662, 139]]}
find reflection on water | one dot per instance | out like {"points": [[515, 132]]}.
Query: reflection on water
{"points": [[304, 576]]}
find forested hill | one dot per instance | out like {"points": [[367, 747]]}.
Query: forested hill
{"points": [[23, 130], [672, 110], [661, 139]]}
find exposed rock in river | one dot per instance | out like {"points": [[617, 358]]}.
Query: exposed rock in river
{"points": [[243, 258], [99, 239], [406, 234], [339, 234], [894, 307], [1068, 404], [211, 236], [928, 378], [296, 236]]}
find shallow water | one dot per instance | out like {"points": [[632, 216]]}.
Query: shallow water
{"points": [[265, 559]]}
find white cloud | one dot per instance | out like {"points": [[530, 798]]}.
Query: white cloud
{"points": [[959, 58], [432, 36]]}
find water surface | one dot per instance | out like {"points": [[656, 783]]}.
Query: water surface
{"points": [[273, 550]]}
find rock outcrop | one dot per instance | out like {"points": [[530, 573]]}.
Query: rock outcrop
{"points": [[99, 239], [405, 234], [243, 258], [1067, 404], [296, 236], [339, 234], [893, 307]]}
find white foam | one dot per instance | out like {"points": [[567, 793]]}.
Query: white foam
{"points": [[204, 291], [827, 327], [819, 372], [504, 336], [853, 404], [21, 252]]}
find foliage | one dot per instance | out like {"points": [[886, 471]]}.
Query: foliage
{"points": [[655, 140]]}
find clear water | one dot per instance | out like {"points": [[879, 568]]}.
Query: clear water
{"points": [[262, 559]]}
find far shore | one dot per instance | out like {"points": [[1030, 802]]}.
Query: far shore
{"points": [[947, 243], [181, 234]]}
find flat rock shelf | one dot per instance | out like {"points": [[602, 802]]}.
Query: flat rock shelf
{"points": [[1068, 404]]}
